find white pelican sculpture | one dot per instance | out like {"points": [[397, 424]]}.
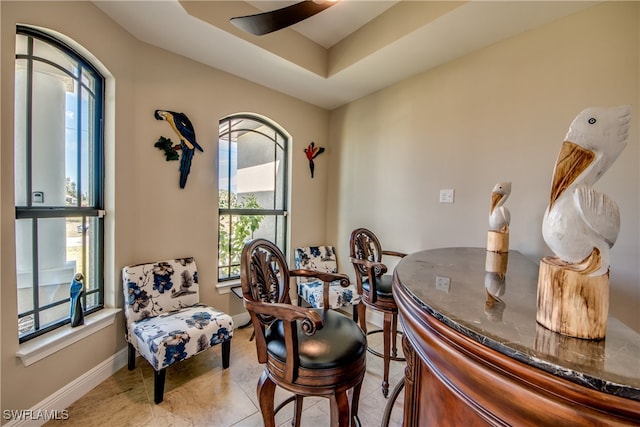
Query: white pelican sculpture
{"points": [[499, 215], [580, 224]]}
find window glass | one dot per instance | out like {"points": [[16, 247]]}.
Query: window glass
{"points": [[47, 135], [58, 186], [20, 132], [44, 50], [251, 188]]}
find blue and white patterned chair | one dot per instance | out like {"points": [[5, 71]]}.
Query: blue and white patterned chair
{"points": [[165, 321], [323, 258]]}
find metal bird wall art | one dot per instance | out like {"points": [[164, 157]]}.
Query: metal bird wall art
{"points": [[182, 126], [580, 224], [312, 152], [499, 216]]}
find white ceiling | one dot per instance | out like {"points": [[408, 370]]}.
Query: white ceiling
{"points": [[333, 24], [469, 27]]}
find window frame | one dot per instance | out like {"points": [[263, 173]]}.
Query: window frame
{"points": [[95, 187], [282, 140]]}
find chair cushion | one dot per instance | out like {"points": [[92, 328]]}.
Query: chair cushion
{"points": [[322, 258], [171, 337], [311, 292], [160, 287], [339, 342], [383, 287]]}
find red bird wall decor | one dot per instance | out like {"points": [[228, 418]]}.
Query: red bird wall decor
{"points": [[312, 152]]}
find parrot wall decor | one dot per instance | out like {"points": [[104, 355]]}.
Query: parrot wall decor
{"points": [[312, 152], [182, 126]]}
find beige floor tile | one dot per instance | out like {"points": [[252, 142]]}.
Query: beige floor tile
{"points": [[198, 392]]}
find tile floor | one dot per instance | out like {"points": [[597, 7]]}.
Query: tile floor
{"points": [[198, 392]]}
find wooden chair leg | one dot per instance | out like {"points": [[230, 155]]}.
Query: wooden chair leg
{"points": [[355, 401], [355, 313], [394, 331], [386, 332], [297, 414], [158, 385], [266, 392], [339, 408], [362, 317], [226, 353], [131, 364]]}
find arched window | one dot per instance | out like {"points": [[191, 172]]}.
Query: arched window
{"points": [[58, 180], [252, 188]]}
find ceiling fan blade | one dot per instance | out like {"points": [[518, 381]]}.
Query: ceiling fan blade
{"points": [[268, 22]]}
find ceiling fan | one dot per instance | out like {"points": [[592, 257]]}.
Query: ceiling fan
{"points": [[268, 22]]}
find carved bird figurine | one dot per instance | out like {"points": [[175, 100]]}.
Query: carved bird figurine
{"points": [[76, 289], [499, 215], [182, 126], [580, 224], [494, 284]]}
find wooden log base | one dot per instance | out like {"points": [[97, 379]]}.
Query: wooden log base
{"points": [[498, 241], [572, 303], [496, 262]]}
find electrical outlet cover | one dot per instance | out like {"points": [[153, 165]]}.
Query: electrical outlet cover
{"points": [[443, 283], [446, 196]]}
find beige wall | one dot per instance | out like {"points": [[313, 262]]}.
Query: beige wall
{"points": [[148, 216], [499, 114]]}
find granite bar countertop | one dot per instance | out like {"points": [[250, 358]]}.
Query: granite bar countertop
{"points": [[462, 288]]}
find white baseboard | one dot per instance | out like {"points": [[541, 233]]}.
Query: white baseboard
{"points": [[240, 319], [67, 395]]}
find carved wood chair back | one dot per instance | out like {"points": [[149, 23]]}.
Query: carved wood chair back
{"points": [[375, 288], [306, 351]]}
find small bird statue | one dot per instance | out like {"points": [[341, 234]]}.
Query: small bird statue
{"points": [[495, 285], [76, 289], [499, 215], [312, 152], [580, 224], [182, 126]]}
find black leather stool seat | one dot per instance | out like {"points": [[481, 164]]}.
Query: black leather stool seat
{"points": [[383, 285], [338, 343]]}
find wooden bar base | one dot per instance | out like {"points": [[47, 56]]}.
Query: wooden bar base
{"points": [[572, 303], [498, 241]]}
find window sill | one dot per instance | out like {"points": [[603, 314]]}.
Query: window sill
{"points": [[225, 287], [38, 348]]}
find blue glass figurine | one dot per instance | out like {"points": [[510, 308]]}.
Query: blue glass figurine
{"points": [[76, 289]]}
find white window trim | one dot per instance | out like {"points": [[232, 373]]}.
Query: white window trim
{"points": [[45, 345], [225, 287]]}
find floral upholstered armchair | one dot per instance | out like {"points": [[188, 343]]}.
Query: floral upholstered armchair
{"points": [[322, 258], [165, 321]]}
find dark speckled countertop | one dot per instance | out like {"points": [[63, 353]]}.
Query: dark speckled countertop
{"points": [[500, 312]]}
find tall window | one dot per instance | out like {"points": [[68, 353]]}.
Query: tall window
{"points": [[58, 181], [252, 189]]}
